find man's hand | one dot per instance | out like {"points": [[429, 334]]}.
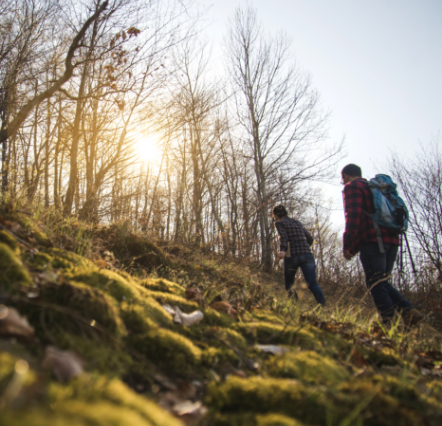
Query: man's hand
{"points": [[281, 255], [348, 255]]}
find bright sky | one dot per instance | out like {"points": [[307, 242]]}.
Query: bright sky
{"points": [[377, 65]]}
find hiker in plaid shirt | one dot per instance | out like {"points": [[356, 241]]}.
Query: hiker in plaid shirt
{"points": [[360, 236], [294, 248]]}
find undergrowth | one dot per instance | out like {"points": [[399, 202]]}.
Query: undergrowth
{"points": [[99, 291]]}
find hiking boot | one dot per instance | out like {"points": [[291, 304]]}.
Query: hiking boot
{"points": [[412, 317]]}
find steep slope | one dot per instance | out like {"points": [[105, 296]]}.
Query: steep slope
{"points": [[85, 343]]}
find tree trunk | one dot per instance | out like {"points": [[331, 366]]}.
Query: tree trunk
{"points": [[73, 173], [4, 125]]}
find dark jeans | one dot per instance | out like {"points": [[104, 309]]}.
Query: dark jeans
{"points": [[307, 264], [378, 267]]}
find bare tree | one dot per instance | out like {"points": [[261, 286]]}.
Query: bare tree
{"points": [[10, 129], [280, 115], [194, 104], [25, 27], [420, 180]]}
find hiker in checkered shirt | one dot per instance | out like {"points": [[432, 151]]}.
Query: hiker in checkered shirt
{"points": [[360, 237], [294, 248]]}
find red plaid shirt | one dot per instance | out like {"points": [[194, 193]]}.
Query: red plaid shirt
{"points": [[359, 229]]}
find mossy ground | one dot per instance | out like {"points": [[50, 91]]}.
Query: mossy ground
{"points": [[12, 273], [338, 371]]}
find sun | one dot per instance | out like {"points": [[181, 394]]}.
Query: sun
{"points": [[148, 148]]}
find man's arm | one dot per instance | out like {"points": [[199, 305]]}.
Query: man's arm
{"points": [[353, 208], [283, 237], [308, 236]]}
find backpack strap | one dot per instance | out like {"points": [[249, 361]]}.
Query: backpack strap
{"points": [[378, 232]]}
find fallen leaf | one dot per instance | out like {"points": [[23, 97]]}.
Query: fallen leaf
{"points": [[358, 359], [195, 294], [164, 381], [187, 319], [273, 349], [423, 361], [65, 365], [377, 331], [12, 324], [224, 307], [190, 413], [101, 263], [108, 253], [187, 390], [49, 276], [239, 373], [169, 309], [15, 227], [187, 407]]}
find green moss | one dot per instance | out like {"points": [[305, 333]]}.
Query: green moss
{"points": [[174, 300], [156, 312], [140, 318], [89, 303], [276, 420], [41, 261], [260, 395], [7, 363], [91, 402], [163, 285], [369, 402], [108, 281], [68, 260], [436, 389], [26, 223], [128, 277], [381, 405], [262, 315], [251, 419], [215, 318], [265, 332], [38, 417], [386, 356], [213, 357], [41, 237], [101, 413], [234, 338], [168, 349], [129, 248], [307, 366], [101, 357], [217, 335], [403, 391], [9, 240], [135, 320], [13, 273], [117, 393]]}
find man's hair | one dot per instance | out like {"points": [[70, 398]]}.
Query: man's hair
{"points": [[352, 170], [280, 210]]}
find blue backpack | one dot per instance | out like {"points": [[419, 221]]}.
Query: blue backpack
{"points": [[390, 210]]}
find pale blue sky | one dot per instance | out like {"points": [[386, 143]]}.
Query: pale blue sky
{"points": [[377, 65]]}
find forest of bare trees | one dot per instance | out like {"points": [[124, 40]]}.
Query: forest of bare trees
{"points": [[85, 89]]}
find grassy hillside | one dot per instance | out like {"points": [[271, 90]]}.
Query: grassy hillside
{"points": [[98, 347]]}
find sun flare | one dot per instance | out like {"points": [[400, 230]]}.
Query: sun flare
{"points": [[148, 148]]}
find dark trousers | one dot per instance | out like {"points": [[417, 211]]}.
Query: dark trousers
{"points": [[307, 264], [378, 267]]}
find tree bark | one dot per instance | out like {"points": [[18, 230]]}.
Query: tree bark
{"points": [[13, 126]]}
